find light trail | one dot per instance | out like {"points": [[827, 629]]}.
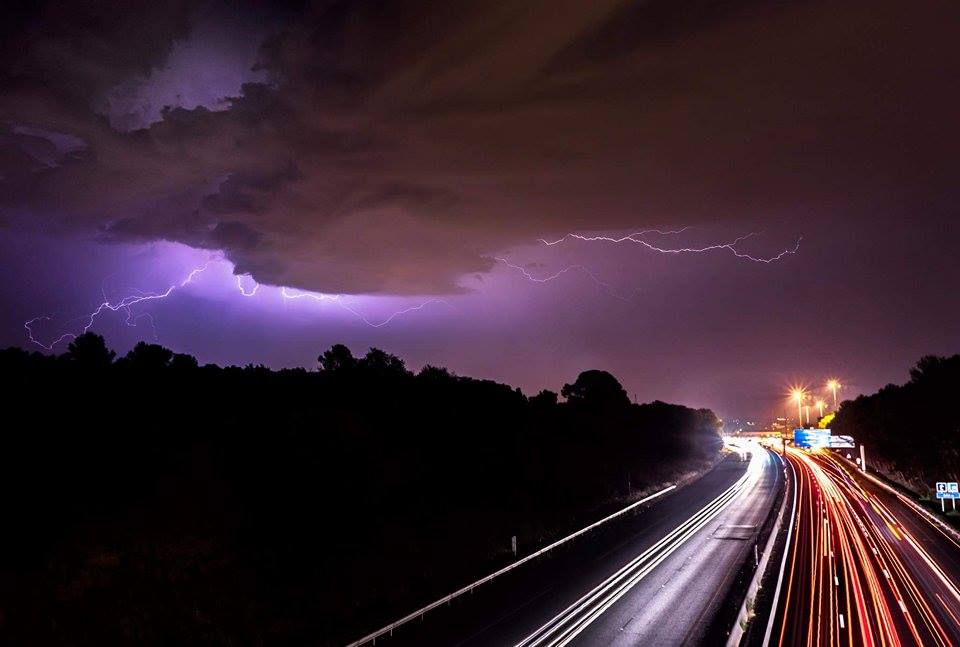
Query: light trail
{"points": [[572, 621], [859, 574]]}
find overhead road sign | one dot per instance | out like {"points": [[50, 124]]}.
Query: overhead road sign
{"points": [[841, 442], [811, 438]]}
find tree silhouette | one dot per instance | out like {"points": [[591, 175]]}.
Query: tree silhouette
{"points": [[890, 422], [545, 398], [221, 479], [596, 388], [89, 350], [337, 359], [183, 362], [382, 362], [149, 357]]}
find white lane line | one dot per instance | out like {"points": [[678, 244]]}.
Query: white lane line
{"points": [[783, 563], [842, 625], [388, 629], [573, 620], [613, 582]]}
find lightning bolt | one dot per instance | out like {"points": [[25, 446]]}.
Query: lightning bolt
{"points": [[637, 239], [570, 268], [139, 297], [256, 286], [662, 232], [126, 303], [286, 293]]}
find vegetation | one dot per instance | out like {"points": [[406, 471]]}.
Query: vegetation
{"points": [[911, 431], [149, 500]]}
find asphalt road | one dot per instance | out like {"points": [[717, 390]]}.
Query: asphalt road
{"points": [[654, 578], [865, 566]]}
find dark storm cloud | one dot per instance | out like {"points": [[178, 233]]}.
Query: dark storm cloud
{"points": [[392, 147]]}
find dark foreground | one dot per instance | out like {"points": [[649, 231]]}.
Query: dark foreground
{"points": [[152, 501]]}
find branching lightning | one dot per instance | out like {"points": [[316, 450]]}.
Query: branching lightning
{"points": [[244, 281], [137, 297], [637, 239], [340, 301], [570, 268], [256, 286], [125, 304]]}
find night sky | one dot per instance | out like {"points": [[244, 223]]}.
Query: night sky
{"points": [[390, 174]]}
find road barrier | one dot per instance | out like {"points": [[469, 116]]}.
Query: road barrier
{"points": [[747, 608], [388, 629]]}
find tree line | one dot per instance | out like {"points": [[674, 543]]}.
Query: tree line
{"points": [[152, 500], [911, 431]]}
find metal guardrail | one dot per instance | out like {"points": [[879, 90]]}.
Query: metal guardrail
{"points": [[773, 523], [388, 629]]}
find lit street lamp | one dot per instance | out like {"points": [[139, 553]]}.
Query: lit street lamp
{"points": [[797, 395], [833, 385], [820, 407]]}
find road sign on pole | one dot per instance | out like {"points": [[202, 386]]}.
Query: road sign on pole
{"points": [[947, 490]]}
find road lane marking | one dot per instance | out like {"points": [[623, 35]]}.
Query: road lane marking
{"points": [[783, 563], [573, 620]]}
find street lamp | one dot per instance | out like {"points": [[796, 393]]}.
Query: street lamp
{"points": [[797, 395], [833, 385], [820, 407]]}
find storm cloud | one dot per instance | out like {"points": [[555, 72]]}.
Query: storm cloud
{"points": [[382, 147]]}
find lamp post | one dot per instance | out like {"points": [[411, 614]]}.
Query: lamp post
{"points": [[833, 385], [798, 396], [820, 407]]}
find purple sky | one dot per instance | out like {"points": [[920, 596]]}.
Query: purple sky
{"points": [[391, 153]]}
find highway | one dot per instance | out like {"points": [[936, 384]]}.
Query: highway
{"points": [[655, 578], [864, 565]]}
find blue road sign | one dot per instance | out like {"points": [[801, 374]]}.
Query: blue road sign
{"points": [[811, 438], [947, 490]]}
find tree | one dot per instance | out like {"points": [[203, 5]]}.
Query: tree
{"points": [[545, 398], [183, 362], [435, 374], [338, 358], [149, 357], [596, 388], [382, 362], [90, 351]]}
